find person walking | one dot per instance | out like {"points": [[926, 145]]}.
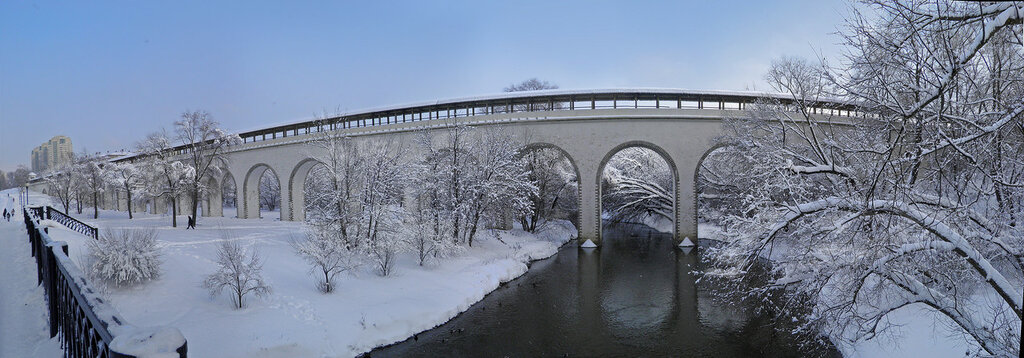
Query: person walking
{"points": [[191, 223]]}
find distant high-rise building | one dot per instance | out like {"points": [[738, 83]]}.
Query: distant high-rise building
{"points": [[54, 152]]}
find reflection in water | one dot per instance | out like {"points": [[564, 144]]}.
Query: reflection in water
{"points": [[637, 295]]}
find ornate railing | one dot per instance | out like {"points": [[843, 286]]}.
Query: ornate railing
{"points": [[71, 223], [88, 326], [533, 102]]}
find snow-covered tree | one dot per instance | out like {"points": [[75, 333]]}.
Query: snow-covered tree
{"points": [[382, 190], [205, 143], [95, 178], [125, 256], [166, 177], [333, 191], [499, 183], [557, 195], [61, 183], [240, 271], [907, 207], [443, 180], [128, 177], [326, 253]]}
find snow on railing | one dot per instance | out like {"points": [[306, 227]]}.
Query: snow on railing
{"points": [[88, 326], [537, 101]]}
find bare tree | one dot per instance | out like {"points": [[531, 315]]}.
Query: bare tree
{"points": [[532, 84], [239, 271]]}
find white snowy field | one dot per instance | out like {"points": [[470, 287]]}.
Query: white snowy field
{"points": [[296, 320], [24, 326]]}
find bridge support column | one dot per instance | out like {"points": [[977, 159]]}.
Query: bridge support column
{"points": [[286, 204], [122, 201], [590, 203], [160, 205], [686, 196], [214, 204]]}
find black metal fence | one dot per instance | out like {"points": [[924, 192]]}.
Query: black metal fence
{"points": [[51, 213], [84, 321]]}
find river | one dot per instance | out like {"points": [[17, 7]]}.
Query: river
{"points": [[635, 296]]}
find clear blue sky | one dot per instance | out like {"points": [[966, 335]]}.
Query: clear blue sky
{"points": [[107, 73]]}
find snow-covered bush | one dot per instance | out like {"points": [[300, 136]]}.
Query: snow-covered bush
{"points": [[326, 253], [125, 256], [238, 271]]}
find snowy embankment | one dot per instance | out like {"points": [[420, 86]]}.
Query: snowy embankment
{"points": [[24, 326], [296, 320]]}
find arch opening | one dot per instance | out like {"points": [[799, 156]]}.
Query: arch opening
{"points": [[558, 182], [229, 193], [317, 188], [269, 194], [299, 191], [261, 193], [637, 184], [717, 190]]}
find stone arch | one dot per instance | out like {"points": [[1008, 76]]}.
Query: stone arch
{"points": [[229, 178], [675, 181], [575, 167], [251, 191], [296, 186]]}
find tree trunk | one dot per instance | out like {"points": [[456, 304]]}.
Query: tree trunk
{"points": [[174, 212], [129, 202], [95, 206], [195, 205]]}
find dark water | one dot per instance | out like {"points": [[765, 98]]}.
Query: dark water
{"points": [[636, 296]]}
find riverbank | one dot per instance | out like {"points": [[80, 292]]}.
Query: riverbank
{"points": [[296, 320]]}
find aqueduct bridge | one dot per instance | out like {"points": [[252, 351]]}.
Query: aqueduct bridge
{"points": [[586, 126]]}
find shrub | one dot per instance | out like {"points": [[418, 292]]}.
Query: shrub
{"points": [[125, 256]]}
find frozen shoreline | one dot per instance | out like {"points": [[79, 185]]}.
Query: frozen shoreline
{"points": [[297, 320]]}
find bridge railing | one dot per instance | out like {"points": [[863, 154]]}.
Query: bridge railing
{"points": [[71, 223], [88, 326], [546, 101]]}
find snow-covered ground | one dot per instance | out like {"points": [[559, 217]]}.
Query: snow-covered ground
{"points": [[296, 320], [24, 328]]}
